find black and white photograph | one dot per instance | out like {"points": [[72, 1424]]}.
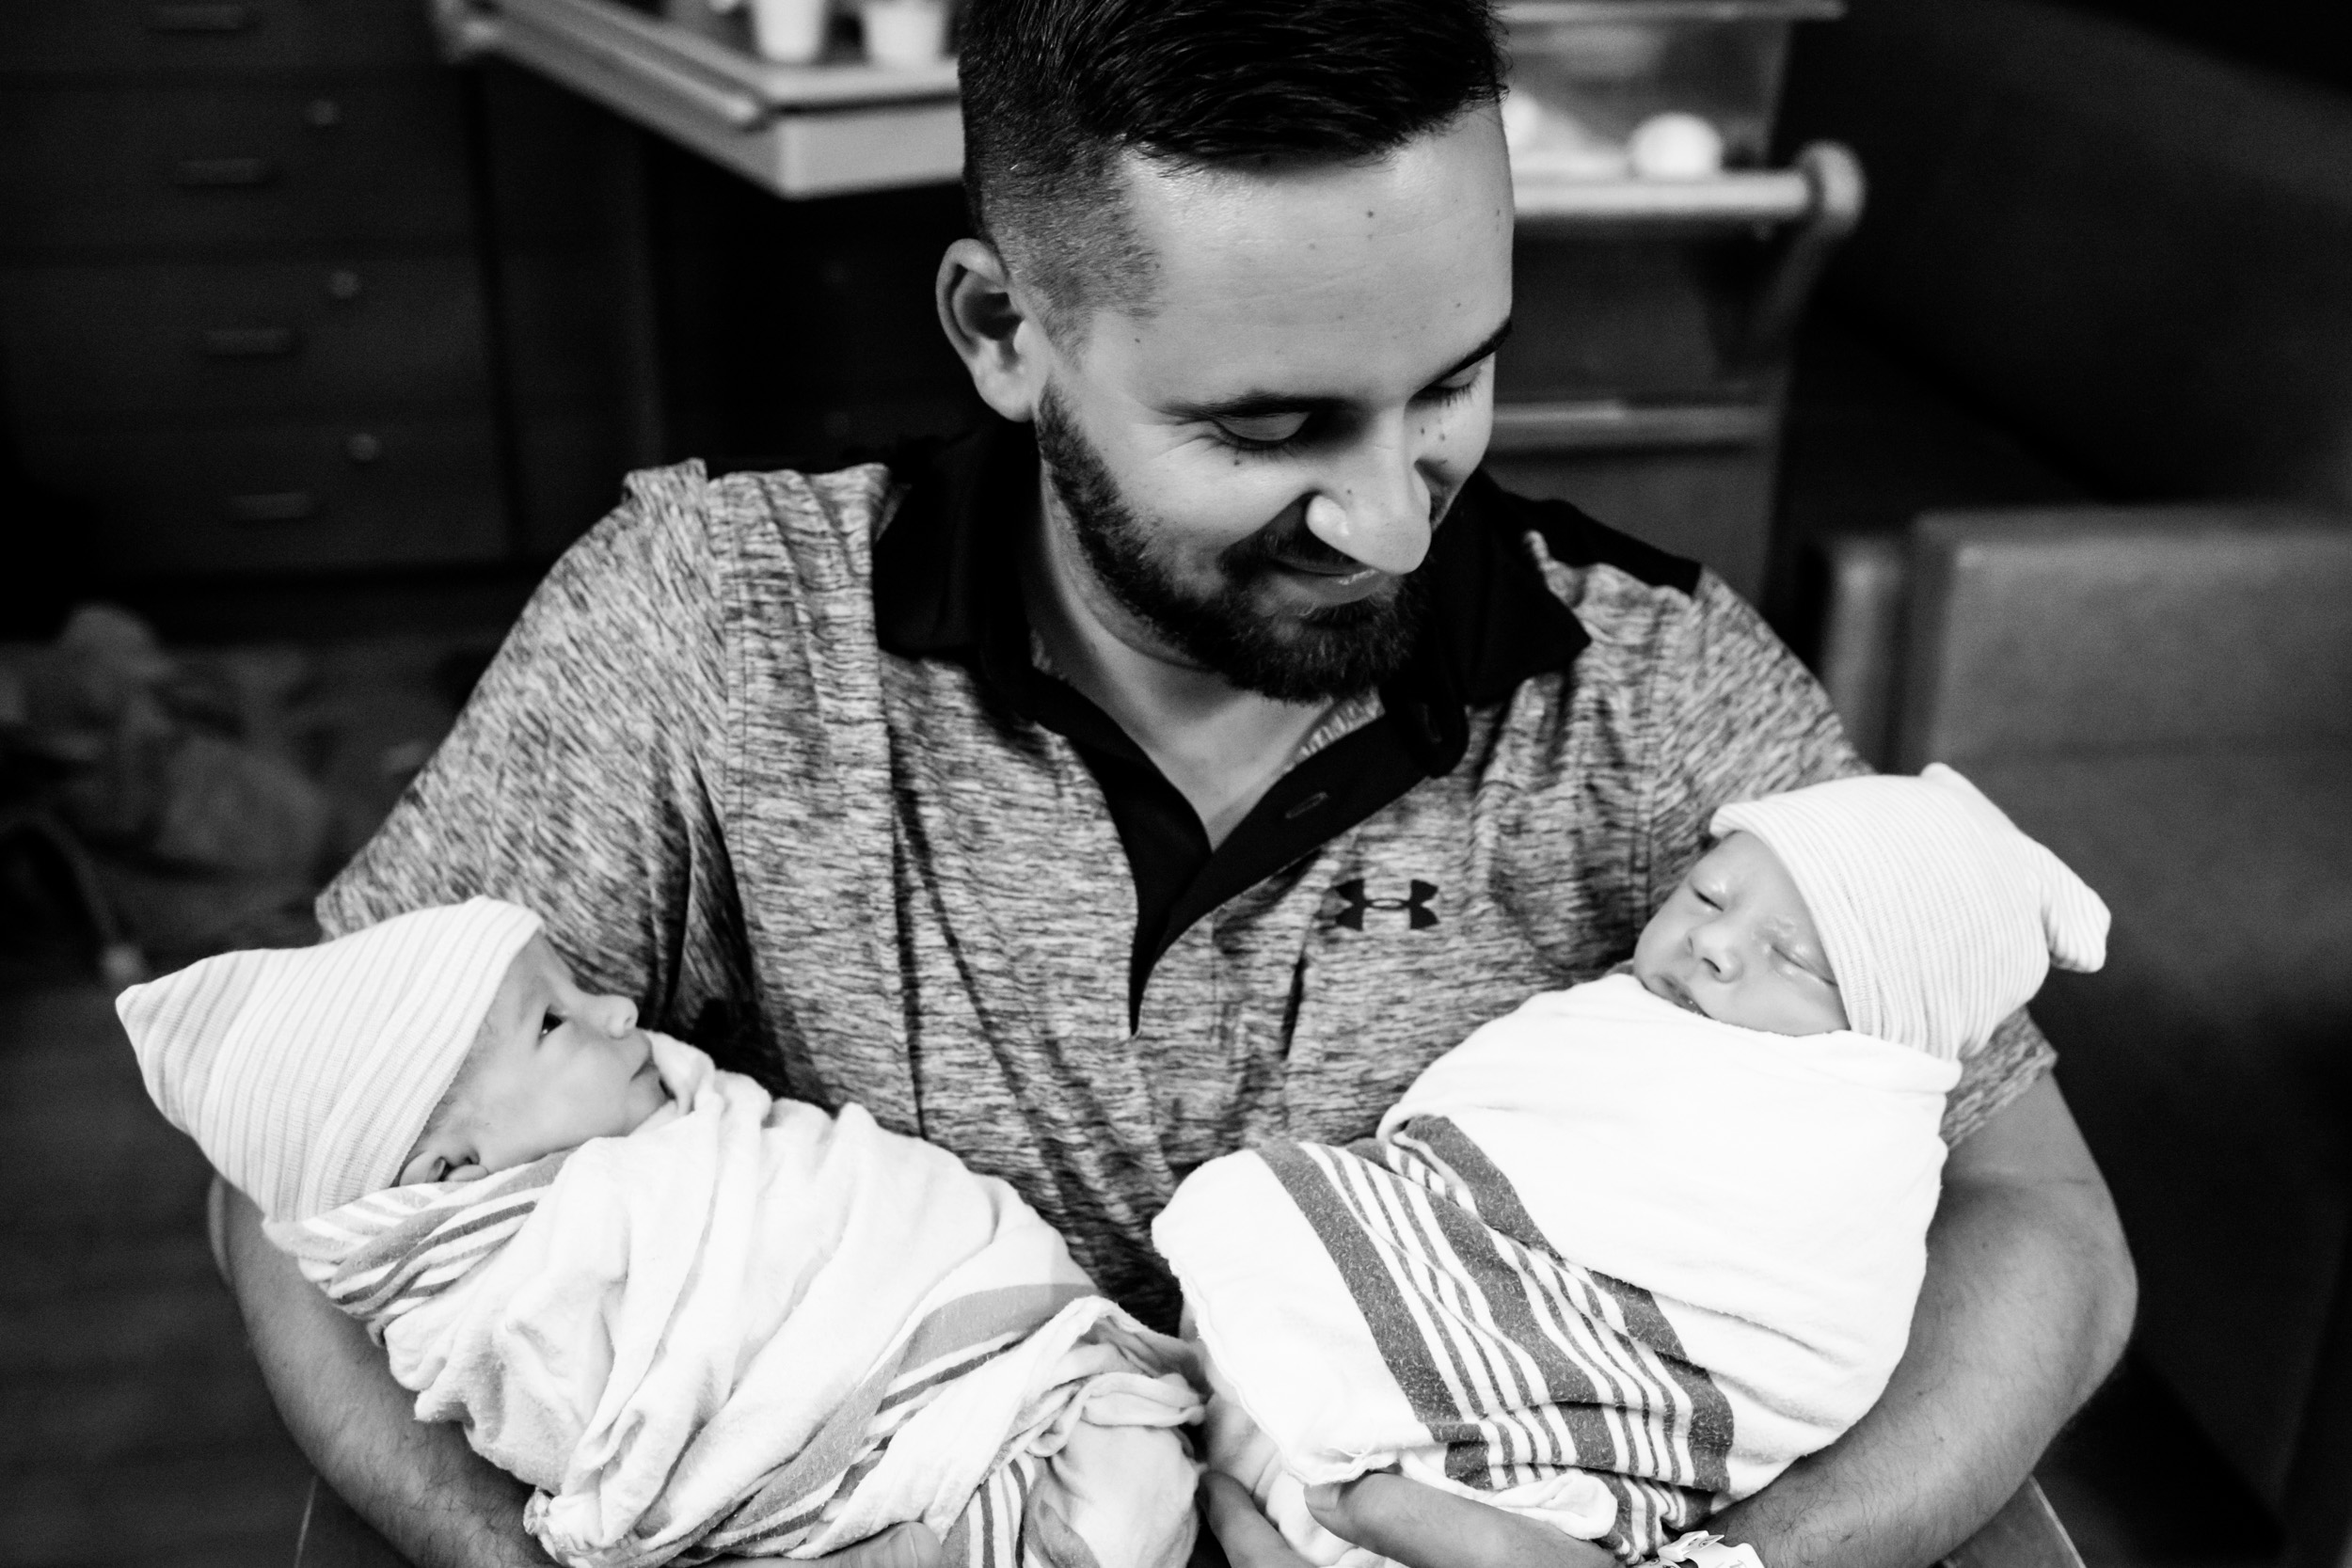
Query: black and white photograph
{"points": [[1176, 783]]}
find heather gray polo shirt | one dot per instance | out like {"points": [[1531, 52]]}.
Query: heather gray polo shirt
{"points": [[772, 754]]}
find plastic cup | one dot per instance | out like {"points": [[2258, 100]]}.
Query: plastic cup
{"points": [[790, 32], [904, 32]]}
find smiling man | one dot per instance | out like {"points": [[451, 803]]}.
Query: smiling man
{"points": [[1185, 759]]}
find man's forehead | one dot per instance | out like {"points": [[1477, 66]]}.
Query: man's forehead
{"points": [[1287, 264]]}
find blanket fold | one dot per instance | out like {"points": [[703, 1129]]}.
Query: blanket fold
{"points": [[1608, 1263], [756, 1328]]}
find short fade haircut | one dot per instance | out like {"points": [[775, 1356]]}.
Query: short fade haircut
{"points": [[1056, 91]]}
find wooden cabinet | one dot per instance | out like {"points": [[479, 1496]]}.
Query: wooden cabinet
{"points": [[247, 497], [172, 37], [243, 314], [274, 338]]}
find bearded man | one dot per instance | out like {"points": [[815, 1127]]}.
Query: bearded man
{"points": [[1185, 759]]}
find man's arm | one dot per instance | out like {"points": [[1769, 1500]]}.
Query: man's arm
{"points": [[2027, 1302], [438, 1502]]}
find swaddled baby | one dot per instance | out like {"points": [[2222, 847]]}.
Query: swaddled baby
{"points": [[699, 1322], [1621, 1256]]}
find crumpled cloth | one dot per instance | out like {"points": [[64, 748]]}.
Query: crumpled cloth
{"points": [[1608, 1263], [755, 1328]]}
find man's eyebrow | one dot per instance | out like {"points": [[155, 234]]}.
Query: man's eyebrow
{"points": [[1495, 340], [1255, 404]]}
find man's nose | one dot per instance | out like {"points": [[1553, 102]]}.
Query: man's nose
{"points": [[1375, 508]]}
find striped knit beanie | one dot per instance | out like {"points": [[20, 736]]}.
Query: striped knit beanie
{"points": [[306, 1073], [1938, 917]]}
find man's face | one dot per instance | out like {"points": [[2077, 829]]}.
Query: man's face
{"points": [[1253, 463]]}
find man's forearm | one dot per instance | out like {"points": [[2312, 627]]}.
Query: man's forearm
{"points": [[431, 1496], [2024, 1311]]}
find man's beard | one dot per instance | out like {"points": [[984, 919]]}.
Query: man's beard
{"points": [[1333, 651]]}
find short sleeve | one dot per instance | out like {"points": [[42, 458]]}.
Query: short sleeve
{"points": [[1739, 718], [578, 781], [1736, 717], [2002, 1068]]}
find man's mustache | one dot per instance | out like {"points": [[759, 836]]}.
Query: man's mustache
{"points": [[1288, 541]]}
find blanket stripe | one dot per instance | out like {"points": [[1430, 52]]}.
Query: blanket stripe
{"points": [[1519, 1362], [382, 1256], [1472, 1180]]}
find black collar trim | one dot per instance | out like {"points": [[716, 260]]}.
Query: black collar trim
{"points": [[947, 586]]}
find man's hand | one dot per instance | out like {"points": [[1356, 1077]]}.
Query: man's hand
{"points": [[1418, 1526], [438, 1502]]}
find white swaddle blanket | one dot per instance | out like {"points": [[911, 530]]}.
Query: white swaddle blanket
{"points": [[1607, 1262], [755, 1328]]}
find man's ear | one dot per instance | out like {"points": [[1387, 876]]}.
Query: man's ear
{"points": [[1000, 341]]}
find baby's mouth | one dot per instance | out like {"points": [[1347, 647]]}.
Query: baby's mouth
{"points": [[1674, 992]]}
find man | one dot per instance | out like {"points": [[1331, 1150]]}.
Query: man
{"points": [[1191, 770]]}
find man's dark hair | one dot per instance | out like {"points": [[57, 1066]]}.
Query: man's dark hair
{"points": [[1054, 91]]}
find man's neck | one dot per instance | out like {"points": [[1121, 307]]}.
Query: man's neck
{"points": [[1221, 747]]}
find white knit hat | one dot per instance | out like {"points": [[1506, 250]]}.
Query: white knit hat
{"points": [[1938, 917], [306, 1073]]}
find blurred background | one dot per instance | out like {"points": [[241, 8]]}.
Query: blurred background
{"points": [[2001, 349]]}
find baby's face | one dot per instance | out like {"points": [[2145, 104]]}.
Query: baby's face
{"points": [[556, 1066], [1736, 944]]}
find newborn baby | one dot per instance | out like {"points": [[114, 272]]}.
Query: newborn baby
{"points": [[1621, 1256], [696, 1319]]}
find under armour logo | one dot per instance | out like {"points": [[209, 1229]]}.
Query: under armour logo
{"points": [[1415, 904]]}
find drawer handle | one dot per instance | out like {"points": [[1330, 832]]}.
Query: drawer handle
{"points": [[272, 506], [250, 342], [222, 173], [200, 19]]}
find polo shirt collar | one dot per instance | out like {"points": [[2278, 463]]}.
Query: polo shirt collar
{"points": [[947, 586]]}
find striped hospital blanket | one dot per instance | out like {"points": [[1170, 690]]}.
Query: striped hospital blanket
{"points": [[1608, 1263], [756, 1329]]}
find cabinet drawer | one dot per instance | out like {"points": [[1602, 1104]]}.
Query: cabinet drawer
{"points": [[120, 36], [257, 167], [284, 496], [244, 337]]}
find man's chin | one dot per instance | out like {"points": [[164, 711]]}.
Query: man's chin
{"points": [[1304, 658]]}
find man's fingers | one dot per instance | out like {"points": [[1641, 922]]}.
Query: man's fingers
{"points": [[900, 1546], [1249, 1539], [1423, 1528]]}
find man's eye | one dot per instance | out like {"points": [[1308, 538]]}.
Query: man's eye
{"points": [[1261, 429], [549, 1024]]}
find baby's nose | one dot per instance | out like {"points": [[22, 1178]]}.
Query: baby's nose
{"points": [[1717, 951]]}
